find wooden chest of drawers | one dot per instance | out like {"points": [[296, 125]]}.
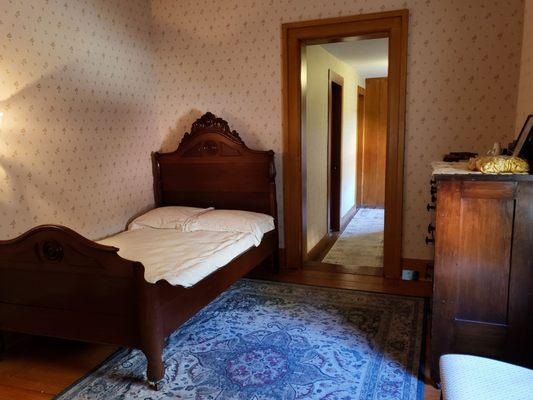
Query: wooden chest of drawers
{"points": [[483, 274]]}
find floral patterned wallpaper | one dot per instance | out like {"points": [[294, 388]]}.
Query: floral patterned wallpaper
{"points": [[525, 92], [77, 93], [89, 88], [225, 56]]}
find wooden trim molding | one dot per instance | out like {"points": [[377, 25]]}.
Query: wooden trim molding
{"points": [[345, 220], [329, 239], [321, 247], [295, 36]]}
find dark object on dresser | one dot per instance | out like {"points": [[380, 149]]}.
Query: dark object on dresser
{"points": [[483, 276], [54, 282], [458, 156]]}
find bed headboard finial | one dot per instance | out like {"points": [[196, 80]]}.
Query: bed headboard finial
{"points": [[209, 122]]}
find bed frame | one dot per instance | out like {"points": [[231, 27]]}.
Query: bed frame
{"points": [[54, 282]]}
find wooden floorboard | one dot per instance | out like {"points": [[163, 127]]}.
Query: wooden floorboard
{"points": [[343, 269], [16, 393], [367, 283], [39, 368]]}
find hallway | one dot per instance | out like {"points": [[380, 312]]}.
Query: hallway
{"points": [[361, 243]]}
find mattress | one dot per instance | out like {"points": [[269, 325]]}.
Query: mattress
{"points": [[180, 258]]}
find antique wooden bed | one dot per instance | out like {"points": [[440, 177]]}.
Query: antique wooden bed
{"points": [[54, 282]]}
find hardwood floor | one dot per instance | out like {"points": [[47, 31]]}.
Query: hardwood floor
{"points": [[323, 276], [39, 368]]}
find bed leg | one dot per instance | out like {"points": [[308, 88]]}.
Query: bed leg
{"points": [[155, 370], [151, 332]]}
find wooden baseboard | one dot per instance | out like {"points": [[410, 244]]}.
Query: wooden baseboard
{"points": [[373, 206], [323, 244], [348, 217]]}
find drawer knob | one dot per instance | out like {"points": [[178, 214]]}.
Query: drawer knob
{"points": [[430, 206]]}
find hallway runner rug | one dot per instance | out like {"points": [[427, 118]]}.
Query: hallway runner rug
{"points": [[361, 243], [265, 341]]}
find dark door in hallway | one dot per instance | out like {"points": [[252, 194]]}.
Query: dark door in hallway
{"points": [[335, 150]]}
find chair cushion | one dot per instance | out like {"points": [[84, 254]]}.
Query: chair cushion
{"points": [[470, 378]]}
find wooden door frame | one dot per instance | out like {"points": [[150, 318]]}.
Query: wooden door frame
{"points": [[392, 24], [359, 153], [334, 188]]}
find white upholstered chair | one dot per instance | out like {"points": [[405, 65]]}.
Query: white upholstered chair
{"points": [[466, 377]]}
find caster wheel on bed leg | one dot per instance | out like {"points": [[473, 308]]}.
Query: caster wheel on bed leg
{"points": [[156, 385], [155, 369]]}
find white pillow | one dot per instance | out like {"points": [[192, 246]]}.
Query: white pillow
{"points": [[172, 217], [232, 221]]}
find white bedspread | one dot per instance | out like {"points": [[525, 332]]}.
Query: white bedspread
{"points": [[181, 258]]}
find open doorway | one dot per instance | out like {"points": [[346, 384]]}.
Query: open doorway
{"points": [[371, 181], [351, 235]]}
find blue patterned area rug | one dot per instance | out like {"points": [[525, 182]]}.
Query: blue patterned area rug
{"points": [[264, 341]]}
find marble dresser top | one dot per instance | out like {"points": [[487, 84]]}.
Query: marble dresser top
{"points": [[447, 168]]}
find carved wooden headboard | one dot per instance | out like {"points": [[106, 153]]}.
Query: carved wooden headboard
{"points": [[212, 167]]}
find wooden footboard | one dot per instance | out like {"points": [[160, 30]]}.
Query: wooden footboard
{"points": [[55, 282]]}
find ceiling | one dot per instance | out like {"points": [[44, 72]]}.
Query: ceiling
{"points": [[369, 57]]}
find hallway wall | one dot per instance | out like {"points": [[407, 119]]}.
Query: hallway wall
{"points": [[319, 61]]}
